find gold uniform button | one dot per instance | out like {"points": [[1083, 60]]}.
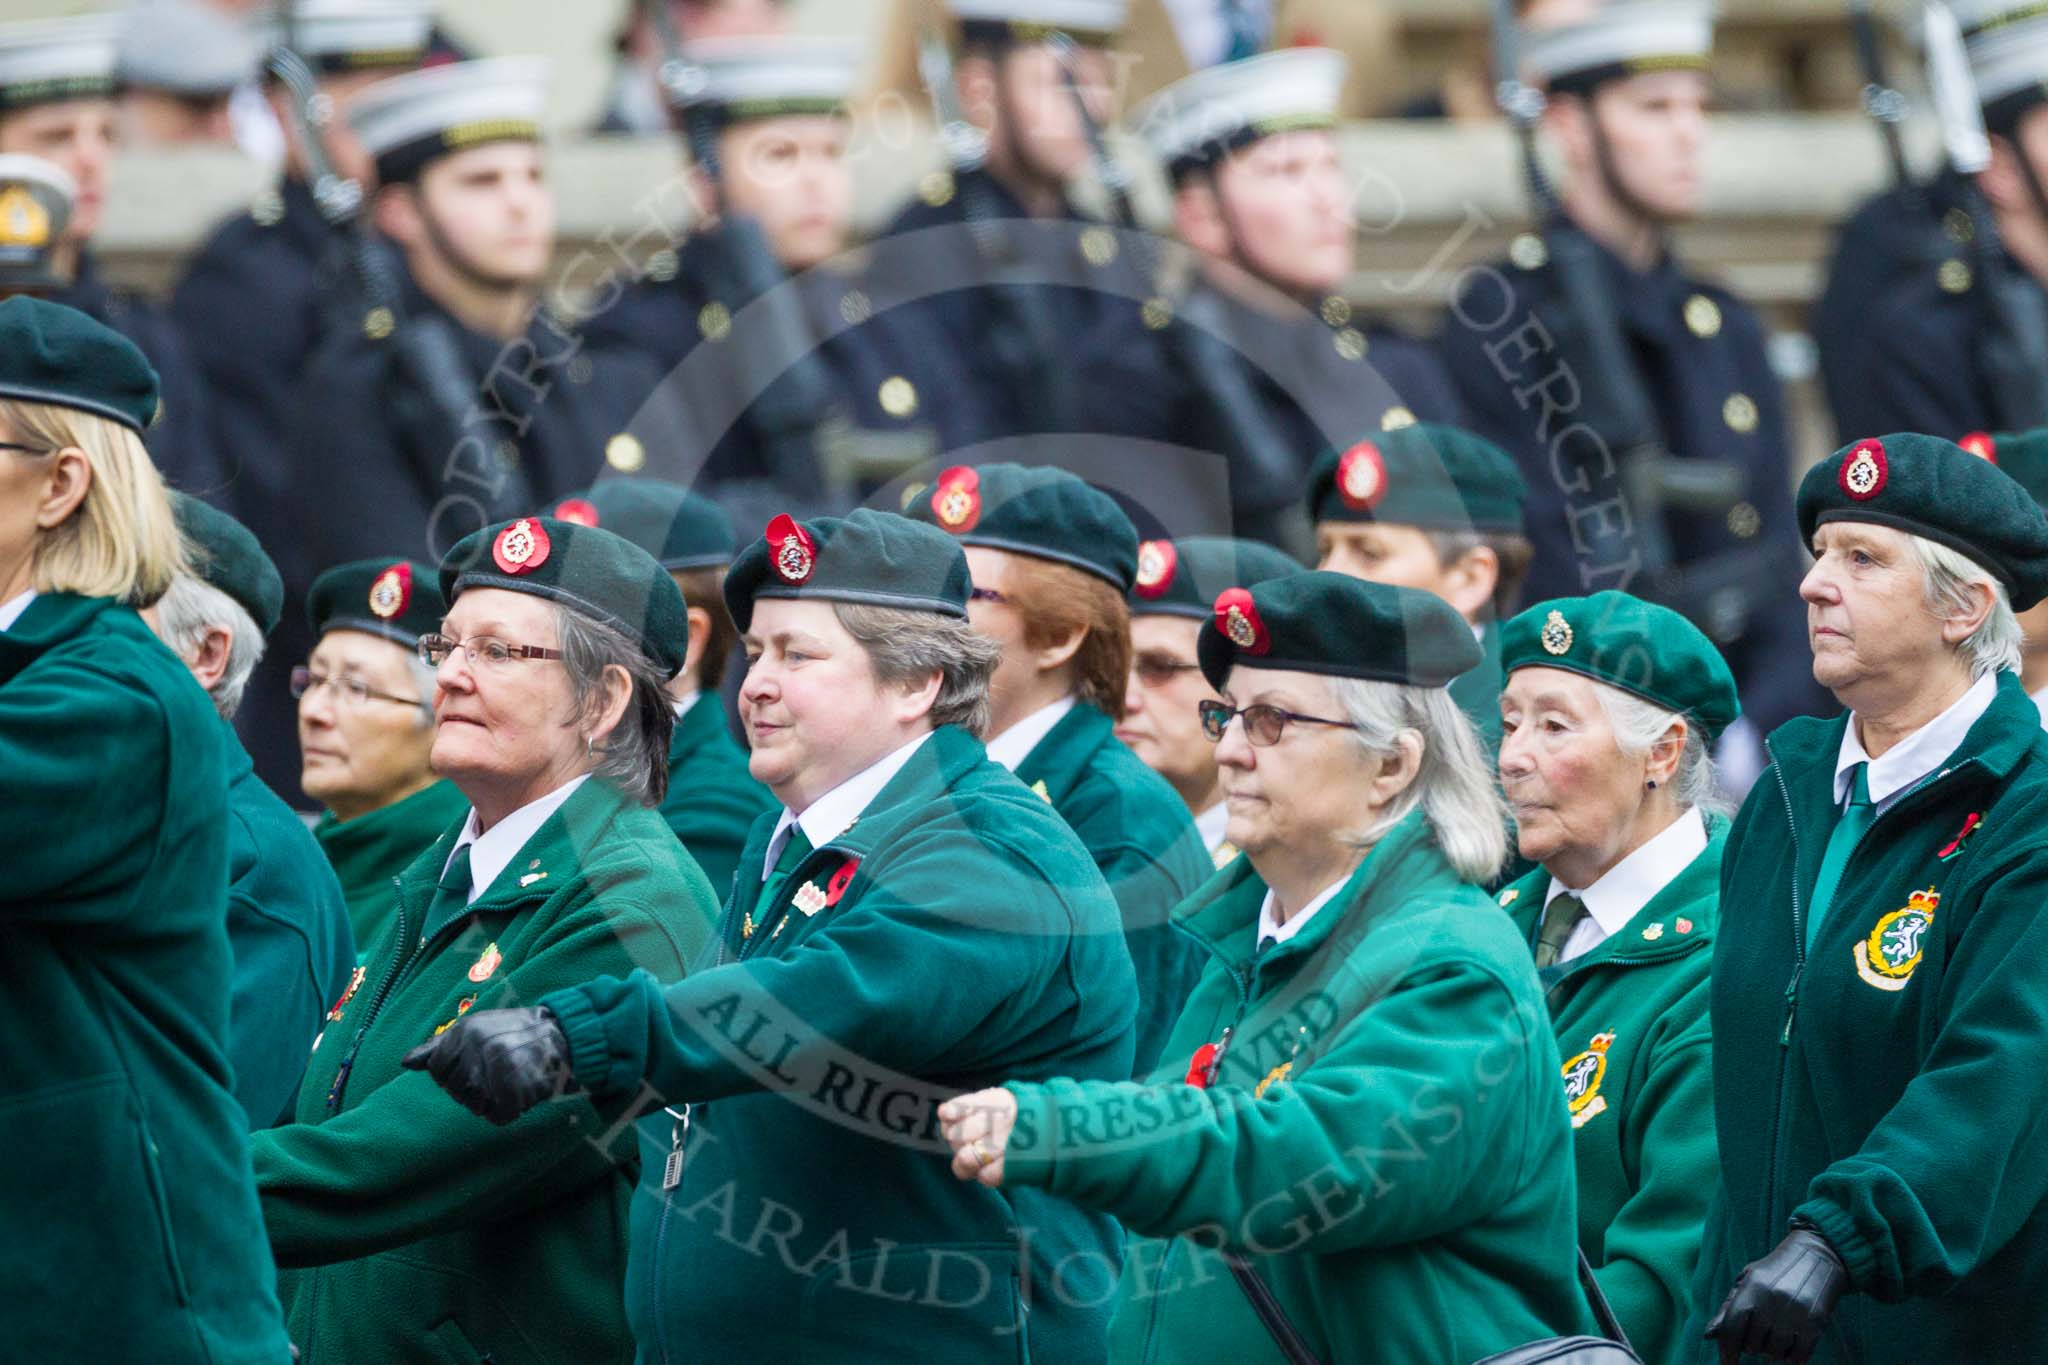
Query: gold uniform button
{"points": [[1396, 417], [1098, 246], [1957, 226], [624, 453], [936, 189], [580, 370], [856, 307], [377, 323], [714, 321], [1744, 520], [1953, 276], [1528, 252], [662, 266], [1739, 412], [1350, 343], [898, 396], [1157, 313], [1336, 310], [1702, 316]]}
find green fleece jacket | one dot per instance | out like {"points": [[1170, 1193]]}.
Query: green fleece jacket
{"points": [[1891, 1086], [1631, 1024], [712, 801], [1385, 1140], [1139, 832], [132, 1228], [368, 852], [956, 934], [428, 1233]]}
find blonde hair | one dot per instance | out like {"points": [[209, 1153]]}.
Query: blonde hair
{"points": [[122, 541]]}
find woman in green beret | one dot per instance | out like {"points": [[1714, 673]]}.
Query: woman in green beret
{"points": [[133, 1233], [366, 729], [408, 1224], [1368, 1131], [1608, 716]]}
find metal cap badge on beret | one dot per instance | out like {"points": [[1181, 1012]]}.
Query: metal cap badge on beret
{"points": [[46, 60], [1428, 475], [1182, 577], [680, 528], [395, 599], [407, 121], [1339, 626], [1646, 650], [867, 557], [1034, 510], [53, 354], [1929, 487], [584, 568], [1218, 109], [35, 207], [229, 557]]}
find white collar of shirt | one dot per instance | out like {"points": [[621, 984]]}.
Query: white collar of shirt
{"points": [[13, 607], [832, 814], [1620, 893], [682, 704], [1296, 922], [1211, 823], [2041, 704], [1919, 753], [1015, 744], [494, 849]]}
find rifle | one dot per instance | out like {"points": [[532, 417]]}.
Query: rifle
{"points": [[2013, 343], [1885, 105]]}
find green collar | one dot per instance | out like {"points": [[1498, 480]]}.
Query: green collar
{"points": [[1805, 749], [1652, 934], [697, 728], [50, 620], [1061, 759], [238, 763], [392, 836]]}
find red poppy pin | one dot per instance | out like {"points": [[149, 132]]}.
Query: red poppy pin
{"points": [[795, 554], [391, 591], [1362, 476], [836, 888], [579, 510], [1955, 845], [1157, 560], [1202, 1066], [1237, 616], [1982, 444], [1865, 473], [521, 547], [956, 499]]}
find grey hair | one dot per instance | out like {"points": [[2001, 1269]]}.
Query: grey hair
{"points": [[425, 681], [1638, 724], [634, 757], [187, 611], [906, 646], [1452, 784], [1994, 647]]}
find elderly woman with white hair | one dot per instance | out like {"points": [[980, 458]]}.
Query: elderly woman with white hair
{"points": [[1880, 1064], [1368, 1136], [1609, 711]]}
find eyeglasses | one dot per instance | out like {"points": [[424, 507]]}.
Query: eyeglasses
{"points": [[1157, 670], [1262, 724], [480, 649], [348, 691], [986, 595]]}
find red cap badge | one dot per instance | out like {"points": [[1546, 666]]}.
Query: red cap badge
{"points": [[521, 547], [579, 510], [1361, 476], [1865, 472], [1982, 444], [795, 553], [1237, 616], [1156, 562], [956, 499], [391, 591]]}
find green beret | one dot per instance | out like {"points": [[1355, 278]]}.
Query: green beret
{"points": [[681, 529], [1182, 577], [1034, 510], [1645, 650], [58, 355], [1428, 475], [584, 568], [226, 555], [876, 559], [396, 599], [1934, 488], [2021, 454], [1345, 627]]}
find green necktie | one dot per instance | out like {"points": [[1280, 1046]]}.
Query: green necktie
{"points": [[451, 898], [794, 851], [1560, 917], [1841, 843]]}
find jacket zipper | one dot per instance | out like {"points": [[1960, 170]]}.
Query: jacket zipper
{"points": [[348, 1062]]}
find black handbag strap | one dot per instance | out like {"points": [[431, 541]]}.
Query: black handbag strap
{"points": [[1603, 1311], [1271, 1315]]}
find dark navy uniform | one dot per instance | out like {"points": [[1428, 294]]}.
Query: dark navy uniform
{"points": [[1699, 354]]}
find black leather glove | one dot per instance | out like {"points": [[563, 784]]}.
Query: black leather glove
{"points": [[498, 1063], [1781, 1302]]}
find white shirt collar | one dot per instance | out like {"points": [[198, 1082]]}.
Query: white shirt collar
{"points": [[1919, 753], [1620, 893], [832, 814], [2041, 704], [1296, 922], [1015, 744], [13, 607], [1211, 823], [681, 705], [495, 849]]}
